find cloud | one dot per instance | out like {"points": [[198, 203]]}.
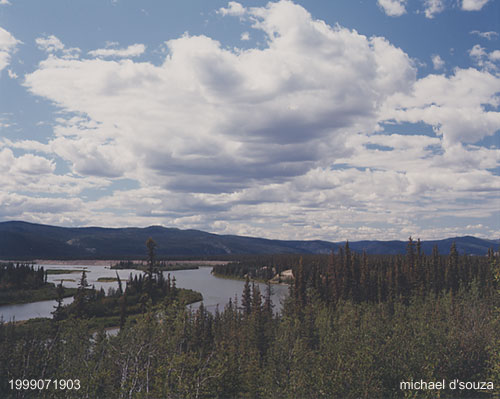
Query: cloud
{"points": [[483, 59], [37, 174], [437, 62], [490, 35], [473, 5], [228, 117], [245, 36], [28, 145], [433, 7], [51, 44], [133, 50], [8, 45], [285, 140], [27, 164], [494, 56], [455, 106], [393, 8], [234, 9], [4, 2], [17, 205]]}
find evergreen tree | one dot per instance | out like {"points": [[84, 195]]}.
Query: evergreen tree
{"points": [[452, 275], [151, 247], [81, 296], [300, 285], [120, 287], [57, 313], [268, 305], [246, 298]]}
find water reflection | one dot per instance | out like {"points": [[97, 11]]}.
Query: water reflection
{"points": [[216, 291]]}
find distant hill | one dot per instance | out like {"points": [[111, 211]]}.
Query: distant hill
{"points": [[465, 245], [22, 240]]}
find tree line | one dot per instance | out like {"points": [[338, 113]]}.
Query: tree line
{"points": [[326, 342], [378, 278], [15, 276]]}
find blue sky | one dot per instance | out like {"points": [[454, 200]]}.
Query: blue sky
{"points": [[297, 120]]}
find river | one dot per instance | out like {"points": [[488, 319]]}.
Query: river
{"points": [[216, 291]]}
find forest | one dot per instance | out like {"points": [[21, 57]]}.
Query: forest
{"points": [[23, 283], [353, 326]]}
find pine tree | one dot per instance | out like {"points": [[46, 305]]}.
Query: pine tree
{"points": [[81, 296], [410, 264], [57, 313], [120, 287], [256, 299], [151, 247], [437, 280], [452, 275], [268, 305], [494, 350], [123, 309], [246, 298], [300, 284], [349, 279]]}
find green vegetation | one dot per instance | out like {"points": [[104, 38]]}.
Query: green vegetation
{"points": [[15, 276], [23, 283], [261, 267], [63, 271], [236, 277], [162, 265], [107, 279], [45, 293], [142, 292], [354, 326]]}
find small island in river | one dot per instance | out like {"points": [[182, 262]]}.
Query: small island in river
{"points": [[25, 283]]}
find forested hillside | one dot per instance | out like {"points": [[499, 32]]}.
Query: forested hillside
{"points": [[28, 241], [354, 326]]}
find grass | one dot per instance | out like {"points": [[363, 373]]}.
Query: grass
{"points": [[45, 293], [108, 279], [62, 271], [240, 278], [168, 268], [185, 296]]}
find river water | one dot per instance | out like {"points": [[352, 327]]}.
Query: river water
{"points": [[216, 291]]}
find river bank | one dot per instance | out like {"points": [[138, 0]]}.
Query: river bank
{"points": [[45, 293], [216, 291]]}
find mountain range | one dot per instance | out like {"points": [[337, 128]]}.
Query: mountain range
{"points": [[22, 240]]}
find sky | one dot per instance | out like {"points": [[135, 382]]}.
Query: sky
{"points": [[333, 120]]}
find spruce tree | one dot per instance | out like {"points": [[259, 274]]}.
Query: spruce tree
{"points": [[246, 299], [452, 275], [151, 247], [57, 313]]}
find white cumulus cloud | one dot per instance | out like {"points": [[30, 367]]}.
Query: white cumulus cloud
{"points": [[454, 106], [433, 7], [134, 50], [51, 44], [234, 9], [282, 140], [437, 62], [225, 118], [393, 8], [473, 5], [490, 35], [483, 59], [8, 45]]}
